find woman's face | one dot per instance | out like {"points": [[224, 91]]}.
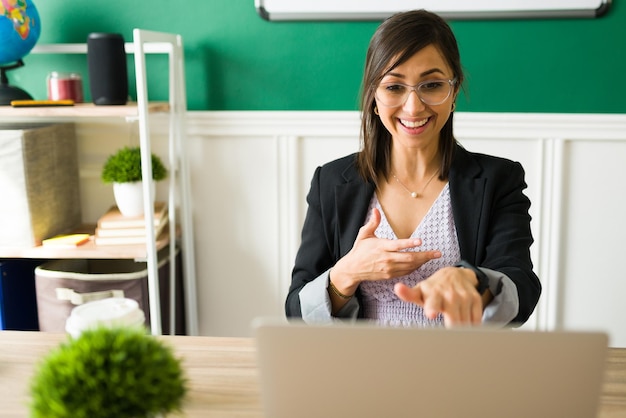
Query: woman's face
{"points": [[415, 124]]}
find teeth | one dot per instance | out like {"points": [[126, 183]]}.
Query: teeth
{"points": [[410, 124]]}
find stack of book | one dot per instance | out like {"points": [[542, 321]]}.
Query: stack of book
{"points": [[116, 229]]}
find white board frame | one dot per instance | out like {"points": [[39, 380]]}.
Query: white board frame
{"points": [[277, 10]]}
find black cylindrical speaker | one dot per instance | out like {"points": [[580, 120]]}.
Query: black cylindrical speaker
{"points": [[108, 76]]}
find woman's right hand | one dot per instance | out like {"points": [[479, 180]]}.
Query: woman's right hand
{"points": [[373, 258]]}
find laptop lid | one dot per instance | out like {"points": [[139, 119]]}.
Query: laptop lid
{"points": [[363, 370]]}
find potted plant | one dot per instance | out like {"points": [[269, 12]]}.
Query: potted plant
{"points": [[108, 372], [123, 169]]}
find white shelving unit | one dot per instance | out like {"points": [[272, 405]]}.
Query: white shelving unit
{"points": [[144, 42]]}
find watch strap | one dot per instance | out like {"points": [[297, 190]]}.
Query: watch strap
{"points": [[483, 280]]}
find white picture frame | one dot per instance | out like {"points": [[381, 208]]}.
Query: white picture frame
{"points": [[277, 10]]}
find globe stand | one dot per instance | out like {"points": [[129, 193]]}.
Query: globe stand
{"points": [[9, 93]]}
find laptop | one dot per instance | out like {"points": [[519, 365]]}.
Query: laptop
{"points": [[363, 370]]}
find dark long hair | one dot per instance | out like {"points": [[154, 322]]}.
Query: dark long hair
{"points": [[395, 41]]}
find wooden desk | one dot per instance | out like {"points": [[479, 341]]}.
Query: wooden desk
{"points": [[223, 379], [222, 374]]}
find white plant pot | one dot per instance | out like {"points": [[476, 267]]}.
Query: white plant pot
{"points": [[129, 197]]}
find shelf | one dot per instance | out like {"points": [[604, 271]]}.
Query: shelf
{"points": [[87, 250], [78, 111], [144, 42], [129, 47]]}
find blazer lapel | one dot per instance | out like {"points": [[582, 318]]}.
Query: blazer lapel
{"points": [[353, 199], [467, 189]]}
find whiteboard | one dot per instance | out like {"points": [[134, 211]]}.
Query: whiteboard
{"points": [[449, 9]]}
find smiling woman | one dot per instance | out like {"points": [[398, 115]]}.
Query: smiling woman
{"points": [[374, 247], [416, 123]]}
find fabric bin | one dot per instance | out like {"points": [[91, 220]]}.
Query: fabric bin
{"points": [[63, 284], [39, 183]]}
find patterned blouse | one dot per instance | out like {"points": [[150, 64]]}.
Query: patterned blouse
{"points": [[437, 232]]}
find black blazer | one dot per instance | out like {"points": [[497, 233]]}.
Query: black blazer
{"points": [[490, 212]]}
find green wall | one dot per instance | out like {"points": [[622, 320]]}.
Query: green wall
{"points": [[237, 61]]}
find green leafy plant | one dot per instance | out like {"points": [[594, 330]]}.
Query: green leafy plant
{"points": [[108, 372], [125, 166]]}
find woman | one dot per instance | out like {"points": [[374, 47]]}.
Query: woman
{"points": [[414, 230]]}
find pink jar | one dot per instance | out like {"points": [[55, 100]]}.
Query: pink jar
{"points": [[63, 86]]}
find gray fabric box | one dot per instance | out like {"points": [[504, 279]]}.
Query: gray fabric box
{"points": [[39, 184], [63, 284]]}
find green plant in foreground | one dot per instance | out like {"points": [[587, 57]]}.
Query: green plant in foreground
{"points": [[125, 166], [108, 372]]}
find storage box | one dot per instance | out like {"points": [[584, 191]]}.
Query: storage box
{"points": [[39, 183], [63, 284], [18, 303]]}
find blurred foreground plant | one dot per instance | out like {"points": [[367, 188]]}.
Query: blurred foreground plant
{"points": [[104, 373]]}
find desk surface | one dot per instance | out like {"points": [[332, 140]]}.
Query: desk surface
{"points": [[222, 373]]}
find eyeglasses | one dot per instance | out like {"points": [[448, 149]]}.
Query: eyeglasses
{"points": [[431, 92]]}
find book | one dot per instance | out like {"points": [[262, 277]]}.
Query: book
{"points": [[130, 232], [113, 219], [65, 241], [122, 240]]}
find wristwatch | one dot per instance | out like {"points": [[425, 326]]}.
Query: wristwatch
{"points": [[483, 281]]}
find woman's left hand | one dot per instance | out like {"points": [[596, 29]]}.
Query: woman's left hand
{"points": [[450, 291]]}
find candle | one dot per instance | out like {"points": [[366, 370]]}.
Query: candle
{"points": [[63, 86]]}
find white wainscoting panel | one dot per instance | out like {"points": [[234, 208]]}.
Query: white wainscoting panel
{"points": [[592, 276], [575, 166], [250, 173], [244, 271]]}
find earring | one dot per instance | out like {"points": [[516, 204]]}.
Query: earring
{"points": [[376, 110]]}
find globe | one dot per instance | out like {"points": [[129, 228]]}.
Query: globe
{"points": [[19, 32], [19, 29]]}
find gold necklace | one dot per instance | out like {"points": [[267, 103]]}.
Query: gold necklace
{"points": [[415, 195]]}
